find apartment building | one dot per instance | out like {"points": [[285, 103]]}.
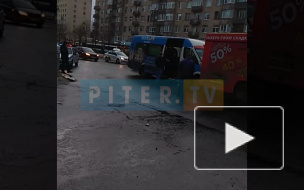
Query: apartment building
{"points": [[74, 14], [119, 20]]}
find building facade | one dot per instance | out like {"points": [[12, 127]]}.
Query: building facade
{"points": [[119, 20], [72, 15]]}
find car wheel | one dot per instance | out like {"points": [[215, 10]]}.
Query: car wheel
{"points": [[76, 63], [106, 59], [96, 60], [117, 61]]}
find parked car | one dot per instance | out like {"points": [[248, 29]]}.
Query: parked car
{"points": [[86, 53], [21, 11], [116, 56], [73, 57], [1, 22]]}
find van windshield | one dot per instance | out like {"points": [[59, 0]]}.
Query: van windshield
{"points": [[199, 52]]}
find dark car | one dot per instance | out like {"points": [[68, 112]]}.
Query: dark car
{"points": [[87, 53], [1, 22], [21, 11]]}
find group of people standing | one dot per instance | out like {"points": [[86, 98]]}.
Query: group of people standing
{"points": [[187, 69], [63, 54]]}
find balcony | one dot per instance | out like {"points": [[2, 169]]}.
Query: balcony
{"points": [[196, 9], [195, 21], [137, 3], [96, 16], [134, 32], [135, 23], [97, 7], [194, 35], [136, 13]]}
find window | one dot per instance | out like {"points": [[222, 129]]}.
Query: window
{"points": [[161, 17], [194, 29], [215, 29], [130, 28], [153, 7], [227, 14], [179, 16], [84, 13], [143, 9], [187, 16], [225, 28], [217, 15], [242, 14], [170, 5], [196, 3], [169, 16], [167, 28], [204, 30], [141, 28], [206, 16], [186, 28], [189, 4], [126, 10], [126, 19], [152, 29], [219, 2], [208, 3], [177, 29], [131, 19], [124, 28], [229, 1], [180, 6], [119, 10], [196, 15], [241, 1], [117, 19]]}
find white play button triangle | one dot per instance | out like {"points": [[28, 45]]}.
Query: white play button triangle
{"points": [[235, 138]]}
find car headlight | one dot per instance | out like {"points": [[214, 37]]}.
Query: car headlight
{"points": [[122, 58], [87, 54], [22, 13], [42, 15], [97, 55]]}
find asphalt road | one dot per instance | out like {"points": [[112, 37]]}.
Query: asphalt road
{"points": [[116, 149]]}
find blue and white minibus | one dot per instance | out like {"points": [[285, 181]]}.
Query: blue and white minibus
{"points": [[145, 48]]}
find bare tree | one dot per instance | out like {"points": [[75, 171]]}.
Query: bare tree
{"points": [[61, 31]]}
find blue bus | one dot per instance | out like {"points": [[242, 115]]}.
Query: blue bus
{"points": [[145, 48]]}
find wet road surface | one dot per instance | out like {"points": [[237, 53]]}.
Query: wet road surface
{"points": [[118, 149]]}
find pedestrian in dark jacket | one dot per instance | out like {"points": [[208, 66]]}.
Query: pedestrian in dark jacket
{"points": [[188, 68], [64, 57], [160, 63]]}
